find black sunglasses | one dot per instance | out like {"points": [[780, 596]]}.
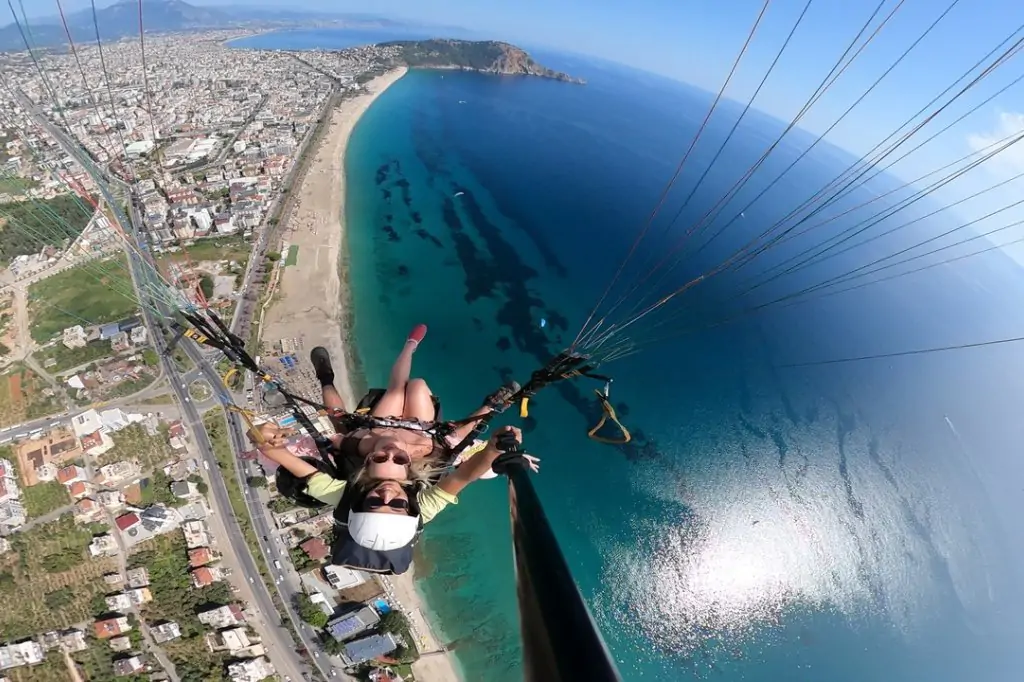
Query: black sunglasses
{"points": [[399, 458], [376, 502]]}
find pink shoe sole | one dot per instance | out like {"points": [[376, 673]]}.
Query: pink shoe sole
{"points": [[418, 333]]}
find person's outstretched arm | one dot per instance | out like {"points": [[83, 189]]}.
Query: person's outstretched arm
{"points": [[477, 465], [272, 443]]}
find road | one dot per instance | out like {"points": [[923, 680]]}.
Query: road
{"points": [[17, 431], [277, 640]]}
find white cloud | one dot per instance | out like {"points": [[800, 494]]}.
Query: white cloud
{"points": [[1009, 161]]}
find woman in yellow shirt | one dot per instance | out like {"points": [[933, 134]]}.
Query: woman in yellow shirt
{"points": [[379, 519]]}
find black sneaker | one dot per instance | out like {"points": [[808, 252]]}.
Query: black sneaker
{"points": [[499, 400], [321, 361]]}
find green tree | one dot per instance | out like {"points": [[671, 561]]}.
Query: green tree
{"points": [[397, 624], [159, 490], [59, 598], [310, 612], [280, 505], [332, 646], [206, 286], [199, 483], [257, 481], [150, 357]]}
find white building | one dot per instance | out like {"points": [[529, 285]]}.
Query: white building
{"points": [[139, 335], [252, 670], [165, 632], [118, 602], [86, 423], [203, 220], [140, 148], [8, 483], [222, 616], [12, 514], [22, 653], [196, 534], [75, 337], [103, 545], [110, 499], [115, 419]]}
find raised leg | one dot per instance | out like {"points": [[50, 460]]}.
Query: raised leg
{"points": [[392, 403], [321, 361], [419, 401]]}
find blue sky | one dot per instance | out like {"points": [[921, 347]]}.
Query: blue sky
{"points": [[696, 41]]}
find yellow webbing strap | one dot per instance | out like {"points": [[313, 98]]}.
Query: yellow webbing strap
{"points": [[609, 414], [524, 407], [247, 417]]}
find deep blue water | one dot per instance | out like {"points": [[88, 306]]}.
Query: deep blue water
{"points": [[842, 522]]}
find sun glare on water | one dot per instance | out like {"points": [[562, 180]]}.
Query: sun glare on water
{"points": [[737, 546]]}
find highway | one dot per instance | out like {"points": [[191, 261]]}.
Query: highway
{"points": [[278, 641]]}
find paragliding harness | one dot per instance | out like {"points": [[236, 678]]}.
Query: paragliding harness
{"points": [[342, 466]]}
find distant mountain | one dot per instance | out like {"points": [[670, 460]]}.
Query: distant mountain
{"points": [[160, 16], [117, 21]]}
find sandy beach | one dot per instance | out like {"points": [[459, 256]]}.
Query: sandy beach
{"points": [[309, 306], [309, 302]]}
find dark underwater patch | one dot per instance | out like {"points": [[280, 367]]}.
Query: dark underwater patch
{"points": [[426, 236], [403, 185], [479, 283], [509, 272]]}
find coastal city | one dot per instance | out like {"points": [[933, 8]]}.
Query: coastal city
{"points": [[140, 535]]}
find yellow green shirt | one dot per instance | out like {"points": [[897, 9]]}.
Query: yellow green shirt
{"points": [[329, 490]]}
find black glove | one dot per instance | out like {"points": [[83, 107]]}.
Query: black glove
{"points": [[511, 454]]}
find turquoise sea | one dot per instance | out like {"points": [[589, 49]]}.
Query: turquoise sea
{"points": [[850, 522]]}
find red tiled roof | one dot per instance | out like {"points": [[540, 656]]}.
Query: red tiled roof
{"points": [[198, 557], [85, 504], [91, 440], [315, 548], [68, 474], [77, 488], [202, 577], [126, 521], [106, 628]]}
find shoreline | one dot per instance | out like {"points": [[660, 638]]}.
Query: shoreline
{"points": [[312, 299], [320, 277]]}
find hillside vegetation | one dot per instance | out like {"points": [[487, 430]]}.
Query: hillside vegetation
{"points": [[488, 56]]}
